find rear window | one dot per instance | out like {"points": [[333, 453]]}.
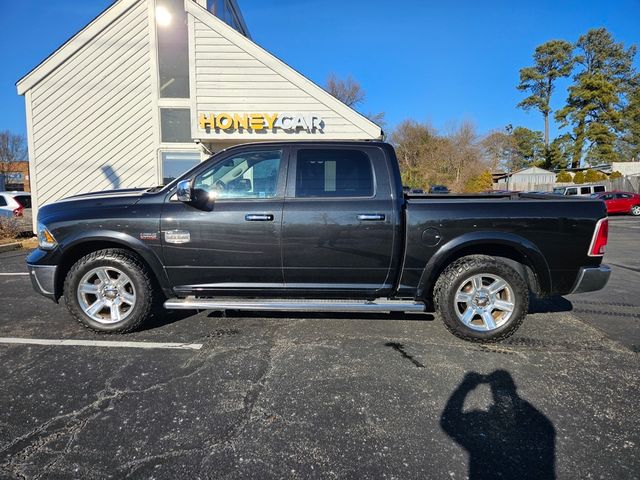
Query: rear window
{"points": [[24, 200], [584, 190], [333, 173], [598, 188]]}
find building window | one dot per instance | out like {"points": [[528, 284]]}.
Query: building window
{"points": [[174, 164], [173, 48], [225, 11], [175, 126], [333, 173]]}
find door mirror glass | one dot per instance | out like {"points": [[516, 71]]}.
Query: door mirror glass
{"points": [[184, 191]]}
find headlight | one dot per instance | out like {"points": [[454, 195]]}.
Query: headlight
{"points": [[45, 239]]}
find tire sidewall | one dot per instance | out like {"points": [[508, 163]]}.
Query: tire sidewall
{"points": [[486, 265], [123, 263]]}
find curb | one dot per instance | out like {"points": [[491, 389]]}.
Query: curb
{"points": [[10, 247]]}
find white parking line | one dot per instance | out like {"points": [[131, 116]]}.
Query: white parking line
{"points": [[100, 343], [9, 274]]}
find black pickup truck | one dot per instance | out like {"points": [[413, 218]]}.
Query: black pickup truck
{"points": [[314, 226]]}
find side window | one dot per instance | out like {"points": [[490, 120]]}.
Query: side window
{"points": [[3, 202], [598, 188], [333, 173], [572, 191], [252, 174], [585, 190], [608, 196], [624, 195]]}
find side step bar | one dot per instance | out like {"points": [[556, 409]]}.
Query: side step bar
{"points": [[289, 305]]}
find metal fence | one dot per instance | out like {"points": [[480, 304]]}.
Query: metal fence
{"points": [[630, 183]]}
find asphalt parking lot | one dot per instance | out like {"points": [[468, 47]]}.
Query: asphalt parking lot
{"points": [[247, 396]]}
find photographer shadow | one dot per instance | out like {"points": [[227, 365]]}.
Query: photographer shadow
{"points": [[512, 439]]}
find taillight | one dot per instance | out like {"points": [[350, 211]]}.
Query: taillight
{"points": [[18, 212], [600, 237]]}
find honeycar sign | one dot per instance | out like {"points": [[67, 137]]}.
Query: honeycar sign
{"points": [[288, 122]]}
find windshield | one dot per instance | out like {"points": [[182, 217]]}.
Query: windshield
{"points": [[558, 190]]}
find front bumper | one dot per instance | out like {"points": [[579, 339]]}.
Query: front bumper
{"points": [[43, 279], [591, 279]]}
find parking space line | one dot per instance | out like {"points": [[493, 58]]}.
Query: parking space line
{"points": [[100, 343], [9, 274]]}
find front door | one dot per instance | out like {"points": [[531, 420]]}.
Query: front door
{"points": [[232, 241], [340, 225]]}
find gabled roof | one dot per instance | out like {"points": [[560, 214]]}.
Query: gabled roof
{"points": [[75, 43], [280, 67]]}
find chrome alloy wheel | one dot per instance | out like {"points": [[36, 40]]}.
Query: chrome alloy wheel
{"points": [[106, 294], [635, 210], [484, 302]]}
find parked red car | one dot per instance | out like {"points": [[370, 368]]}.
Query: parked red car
{"points": [[621, 202]]}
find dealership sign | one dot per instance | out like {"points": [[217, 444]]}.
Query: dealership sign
{"points": [[251, 122]]}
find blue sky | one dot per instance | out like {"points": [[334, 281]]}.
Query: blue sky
{"points": [[433, 61]]}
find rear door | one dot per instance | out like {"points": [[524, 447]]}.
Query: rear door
{"points": [[340, 222]]}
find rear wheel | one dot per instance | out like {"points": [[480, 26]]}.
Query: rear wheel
{"points": [[481, 299], [109, 291], [635, 210]]}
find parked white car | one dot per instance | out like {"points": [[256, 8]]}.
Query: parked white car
{"points": [[17, 205], [579, 190]]}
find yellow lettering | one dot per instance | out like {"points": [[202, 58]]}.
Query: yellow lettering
{"points": [[205, 122], [257, 121], [224, 121], [271, 120], [241, 121]]}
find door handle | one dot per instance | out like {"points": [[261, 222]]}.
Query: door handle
{"points": [[371, 217], [259, 217]]}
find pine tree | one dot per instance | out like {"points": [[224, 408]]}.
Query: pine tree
{"points": [[597, 97], [552, 60]]}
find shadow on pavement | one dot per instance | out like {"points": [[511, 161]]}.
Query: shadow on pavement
{"points": [[512, 439], [549, 305]]}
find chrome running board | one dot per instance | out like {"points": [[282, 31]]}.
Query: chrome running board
{"points": [[294, 305]]}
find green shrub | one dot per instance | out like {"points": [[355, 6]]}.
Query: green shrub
{"points": [[563, 177], [479, 183], [615, 174], [579, 177], [593, 176]]}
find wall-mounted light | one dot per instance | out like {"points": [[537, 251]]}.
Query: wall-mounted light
{"points": [[163, 16]]}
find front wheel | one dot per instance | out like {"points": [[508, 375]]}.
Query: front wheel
{"points": [[635, 210], [481, 299], [109, 291]]}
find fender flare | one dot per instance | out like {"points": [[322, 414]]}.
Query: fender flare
{"points": [[125, 240], [447, 252]]}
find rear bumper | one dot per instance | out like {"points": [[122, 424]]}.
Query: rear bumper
{"points": [[591, 279], [43, 279]]}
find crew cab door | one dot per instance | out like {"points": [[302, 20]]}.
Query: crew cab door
{"points": [[340, 223], [233, 242]]}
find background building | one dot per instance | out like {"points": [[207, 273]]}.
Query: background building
{"points": [[150, 87]]}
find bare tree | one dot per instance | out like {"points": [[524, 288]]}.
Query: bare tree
{"points": [[13, 149], [347, 91], [350, 93]]}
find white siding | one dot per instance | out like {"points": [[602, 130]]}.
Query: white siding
{"points": [[232, 75], [92, 116]]}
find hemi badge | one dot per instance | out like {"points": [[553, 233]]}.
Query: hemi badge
{"points": [[177, 236], [149, 236]]}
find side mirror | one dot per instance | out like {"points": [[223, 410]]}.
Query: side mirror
{"points": [[184, 192]]}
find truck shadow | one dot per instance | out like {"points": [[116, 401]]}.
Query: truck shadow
{"points": [[549, 305], [511, 439]]}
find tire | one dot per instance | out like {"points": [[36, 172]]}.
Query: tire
{"points": [[480, 315], [127, 294], [635, 211]]}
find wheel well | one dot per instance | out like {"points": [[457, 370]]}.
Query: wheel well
{"points": [[511, 255], [75, 253]]}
